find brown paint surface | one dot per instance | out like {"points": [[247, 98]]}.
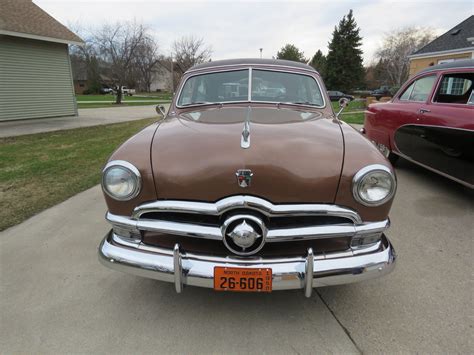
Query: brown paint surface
{"points": [[197, 159], [296, 154]]}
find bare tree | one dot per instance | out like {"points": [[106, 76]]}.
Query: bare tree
{"points": [[84, 62], [189, 51], [119, 45], [396, 48], [147, 61]]}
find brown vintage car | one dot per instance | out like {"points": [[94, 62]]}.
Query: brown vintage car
{"points": [[249, 183]]}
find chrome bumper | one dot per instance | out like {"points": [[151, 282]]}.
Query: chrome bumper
{"points": [[305, 272]]}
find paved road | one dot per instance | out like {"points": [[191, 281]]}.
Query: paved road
{"points": [[56, 297], [87, 117]]}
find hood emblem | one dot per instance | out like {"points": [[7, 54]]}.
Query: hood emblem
{"points": [[244, 177]]}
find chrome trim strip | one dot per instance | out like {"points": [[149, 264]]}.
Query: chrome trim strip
{"points": [[249, 88], [272, 235], [183, 229], [211, 69], [288, 273], [307, 233], [178, 269], [308, 273], [435, 126], [245, 201]]}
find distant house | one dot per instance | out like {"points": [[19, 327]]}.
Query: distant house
{"points": [[35, 70], [81, 80], [456, 44], [161, 79]]}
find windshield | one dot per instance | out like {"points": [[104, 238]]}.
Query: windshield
{"points": [[266, 86]]}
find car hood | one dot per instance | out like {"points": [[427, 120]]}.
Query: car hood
{"points": [[295, 156]]}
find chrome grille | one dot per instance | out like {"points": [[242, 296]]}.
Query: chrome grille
{"points": [[288, 225]]}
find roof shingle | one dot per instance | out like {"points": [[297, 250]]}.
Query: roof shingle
{"points": [[455, 38], [23, 17]]}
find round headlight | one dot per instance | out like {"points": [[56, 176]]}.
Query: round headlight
{"points": [[121, 180], [373, 185]]}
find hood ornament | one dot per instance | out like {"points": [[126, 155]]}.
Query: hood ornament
{"points": [[245, 139], [244, 177]]}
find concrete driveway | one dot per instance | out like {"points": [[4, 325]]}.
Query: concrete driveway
{"points": [[87, 117], [57, 298]]}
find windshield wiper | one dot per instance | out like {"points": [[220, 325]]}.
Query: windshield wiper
{"points": [[302, 103], [307, 103], [202, 103]]}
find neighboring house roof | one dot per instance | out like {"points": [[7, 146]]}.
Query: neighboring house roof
{"points": [[457, 38], [23, 18]]}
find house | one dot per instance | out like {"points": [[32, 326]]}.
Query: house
{"points": [[35, 70], [161, 79], [456, 44], [81, 79]]}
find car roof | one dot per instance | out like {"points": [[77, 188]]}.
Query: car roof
{"points": [[466, 63], [252, 61]]}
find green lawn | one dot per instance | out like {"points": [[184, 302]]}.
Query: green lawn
{"points": [[84, 101], [357, 117], [111, 104], [40, 170], [139, 96], [353, 106], [353, 113]]}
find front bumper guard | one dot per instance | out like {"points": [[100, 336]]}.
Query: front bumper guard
{"points": [[305, 272]]}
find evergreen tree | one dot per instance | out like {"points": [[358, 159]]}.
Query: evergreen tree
{"points": [[291, 52], [93, 75], [318, 62], [344, 69]]}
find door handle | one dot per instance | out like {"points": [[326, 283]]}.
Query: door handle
{"points": [[424, 110]]}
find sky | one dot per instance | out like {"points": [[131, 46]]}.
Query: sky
{"points": [[237, 29]]}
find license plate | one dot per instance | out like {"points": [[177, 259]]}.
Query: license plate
{"points": [[242, 279]]}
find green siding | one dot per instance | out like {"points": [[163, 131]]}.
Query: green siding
{"points": [[35, 79]]}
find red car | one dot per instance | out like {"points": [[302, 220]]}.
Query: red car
{"points": [[430, 121]]}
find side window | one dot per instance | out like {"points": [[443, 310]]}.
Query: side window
{"points": [[406, 94], [455, 88], [419, 90], [422, 88]]}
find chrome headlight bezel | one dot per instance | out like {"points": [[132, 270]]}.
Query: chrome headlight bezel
{"points": [[137, 179], [362, 174]]}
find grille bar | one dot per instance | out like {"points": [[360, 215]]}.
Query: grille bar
{"points": [[273, 235], [247, 202]]}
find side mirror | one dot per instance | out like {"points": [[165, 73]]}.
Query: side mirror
{"points": [[343, 102], [160, 109]]}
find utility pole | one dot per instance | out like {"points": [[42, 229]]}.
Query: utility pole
{"points": [[261, 50]]}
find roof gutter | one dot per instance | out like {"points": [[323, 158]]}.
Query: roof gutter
{"points": [[40, 38], [441, 53]]}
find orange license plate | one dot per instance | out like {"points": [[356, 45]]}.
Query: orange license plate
{"points": [[242, 279]]}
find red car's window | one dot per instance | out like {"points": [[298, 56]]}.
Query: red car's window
{"points": [[455, 88], [419, 89]]}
